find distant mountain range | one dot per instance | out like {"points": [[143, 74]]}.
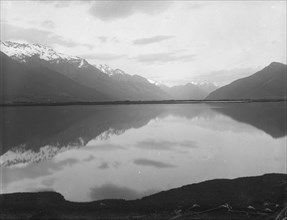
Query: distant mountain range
{"points": [[49, 76], [268, 83], [189, 91], [36, 73]]}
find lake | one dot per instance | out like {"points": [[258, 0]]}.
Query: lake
{"points": [[97, 152]]}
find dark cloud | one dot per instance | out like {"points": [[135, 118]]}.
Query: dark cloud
{"points": [[151, 40], [152, 163], [48, 24], [103, 56], [103, 39], [35, 170], [90, 158], [48, 182], [110, 10], [112, 191], [153, 58], [33, 35], [104, 166], [152, 144]]}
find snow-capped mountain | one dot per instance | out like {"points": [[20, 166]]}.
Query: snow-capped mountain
{"points": [[109, 71], [207, 86], [155, 82], [108, 83], [22, 51]]}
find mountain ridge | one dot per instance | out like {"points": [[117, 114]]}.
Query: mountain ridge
{"points": [[21, 83], [268, 83], [116, 85]]}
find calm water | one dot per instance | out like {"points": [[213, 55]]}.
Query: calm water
{"points": [[128, 151]]}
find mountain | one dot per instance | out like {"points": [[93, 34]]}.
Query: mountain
{"points": [[268, 83], [115, 85], [269, 117], [135, 83], [20, 83], [28, 137], [20, 51], [111, 72], [207, 87], [189, 91]]}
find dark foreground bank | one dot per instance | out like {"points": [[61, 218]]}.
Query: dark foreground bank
{"points": [[260, 197]]}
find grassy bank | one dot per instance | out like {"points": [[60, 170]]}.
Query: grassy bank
{"points": [[260, 197]]}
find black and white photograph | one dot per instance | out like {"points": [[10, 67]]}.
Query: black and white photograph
{"points": [[143, 110]]}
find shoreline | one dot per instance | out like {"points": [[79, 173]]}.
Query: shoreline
{"points": [[137, 102], [254, 197]]}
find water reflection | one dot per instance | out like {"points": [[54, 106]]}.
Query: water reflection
{"points": [[129, 151], [268, 117], [33, 127], [30, 128]]}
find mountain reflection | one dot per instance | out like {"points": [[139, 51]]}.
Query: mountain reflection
{"points": [[34, 127], [268, 117]]}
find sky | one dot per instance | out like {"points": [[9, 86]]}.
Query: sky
{"points": [[173, 42]]}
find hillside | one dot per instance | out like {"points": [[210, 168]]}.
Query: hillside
{"points": [[19, 83], [116, 85], [268, 83]]}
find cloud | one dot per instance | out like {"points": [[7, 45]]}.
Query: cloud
{"points": [[34, 171], [111, 10], [61, 3], [90, 158], [104, 166], [152, 163], [48, 24], [33, 35], [223, 77], [103, 56], [49, 182], [152, 144], [105, 147], [151, 40], [153, 58], [112, 191], [103, 39], [195, 5]]}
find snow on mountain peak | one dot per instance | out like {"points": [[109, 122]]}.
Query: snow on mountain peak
{"points": [[20, 51], [109, 71], [119, 72], [155, 82], [105, 68]]}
